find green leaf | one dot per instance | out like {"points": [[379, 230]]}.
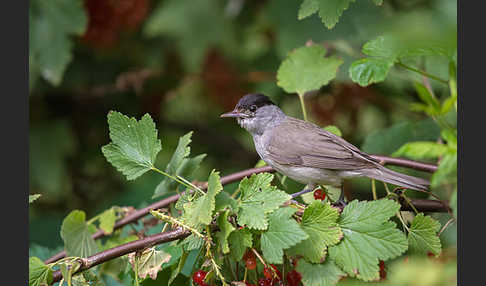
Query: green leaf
{"points": [[224, 200], [39, 273], [307, 8], [325, 274], [334, 130], [382, 46], [239, 240], [378, 2], [180, 164], [258, 198], [149, 262], [368, 237], [33, 197], [427, 97], [107, 220], [446, 172], [200, 211], [370, 70], [134, 144], [329, 10], [225, 229], [192, 242], [421, 150], [51, 26], [319, 222], [306, 69], [76, 234], [422, 236], [282, 233], [450, 136], [178, 269]]}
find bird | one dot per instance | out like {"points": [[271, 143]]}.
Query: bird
{"points": [[307, 153]]}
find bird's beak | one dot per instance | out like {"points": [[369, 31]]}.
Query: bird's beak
{"points": [[234, 113]]}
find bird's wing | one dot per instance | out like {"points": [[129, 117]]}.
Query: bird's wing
{"points": [[305, 144]]}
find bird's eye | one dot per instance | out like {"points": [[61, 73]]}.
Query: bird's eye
{"points": [[253, 108]]}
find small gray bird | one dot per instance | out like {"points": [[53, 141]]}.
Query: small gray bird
{"points": [[307, 153]]}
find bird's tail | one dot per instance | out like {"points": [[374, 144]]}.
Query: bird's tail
{"points": [[386, 175]]}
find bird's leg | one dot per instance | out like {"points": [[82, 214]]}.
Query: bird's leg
{"points": [[341, 201], [308, 188]]}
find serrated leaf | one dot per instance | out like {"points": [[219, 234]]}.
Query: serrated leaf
{"points": [[329, 10], [319, 222], [368, 237], [421, 150], [325, 274], [283, 232], [39, 273], [306, 69], [239, 240], [223, 200], [258, 198], [422, 236], [200, 211], [51, 26], [107, 220], [76, 234], [225, 229], [180, 164], [192, 242], [149, 262], [134, 145], [370, 70], [33, 197], [307, 8]]}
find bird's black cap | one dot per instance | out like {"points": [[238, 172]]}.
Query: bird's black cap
{"points": [[257, 99]]}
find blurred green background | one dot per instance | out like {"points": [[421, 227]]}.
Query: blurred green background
{"points": [[185, 63]]}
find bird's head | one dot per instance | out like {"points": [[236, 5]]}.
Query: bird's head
{"points": [[254, 112]]}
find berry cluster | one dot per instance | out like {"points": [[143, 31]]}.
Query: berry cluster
{"points": [[319, 194], [272, 276]]}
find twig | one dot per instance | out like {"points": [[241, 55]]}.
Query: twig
{"points": [[126, 248]]}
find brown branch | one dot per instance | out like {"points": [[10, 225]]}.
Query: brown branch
{"points": [[126, 248], [136, 215], [385, 160]]}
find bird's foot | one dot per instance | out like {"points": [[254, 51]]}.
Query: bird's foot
{"points": [[308, 188]]}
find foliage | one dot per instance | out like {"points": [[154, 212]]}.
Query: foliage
{"points": [[197, 58]]}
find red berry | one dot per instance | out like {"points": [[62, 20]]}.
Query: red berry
{"points": [[250, 263], [430, 254], [293, 278], [248, 284], [199, 276], [319, 194], [267, 273], [265, 282], [250, 260], [382, 264]]}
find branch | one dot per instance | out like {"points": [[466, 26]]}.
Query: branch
{"points": [[126, 248], [138, 214]]}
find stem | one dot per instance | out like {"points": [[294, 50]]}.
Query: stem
{"points": [[302, 104], [401, 220], [409, 202], [189, 186], [422, 73], [373, 189]]}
